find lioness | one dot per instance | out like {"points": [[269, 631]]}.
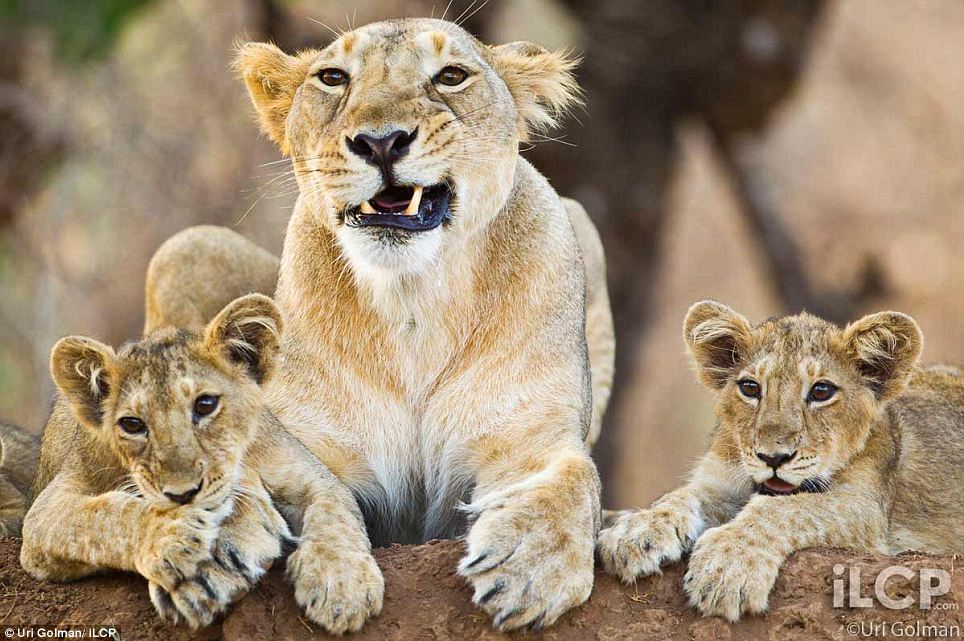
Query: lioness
{"points": [[826, 437], [162, 458], [18, 462], [437, 294]]}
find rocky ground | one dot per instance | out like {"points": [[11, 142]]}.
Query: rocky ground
{"points": [[425, 600]]}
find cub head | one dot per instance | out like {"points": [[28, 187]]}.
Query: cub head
{"points": [[405, 132], [796, 397], [178, 408]]}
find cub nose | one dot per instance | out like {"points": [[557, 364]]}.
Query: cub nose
{"points": [[776, 459], [382, 152], [184, 497]]}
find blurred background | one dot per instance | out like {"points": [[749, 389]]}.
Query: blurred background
{"points": [[772, 155]]}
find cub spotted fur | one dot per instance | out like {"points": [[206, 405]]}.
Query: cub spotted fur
{"points": [[826, 437], [161, 458], [18, 462], [449, 345]]}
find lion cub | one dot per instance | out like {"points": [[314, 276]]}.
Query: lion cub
{"points": [[162, 458], [18, 461], [826, 437]]}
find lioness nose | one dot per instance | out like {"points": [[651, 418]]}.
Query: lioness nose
{"points": [[382, 152], [184, 497], [775, 459]]}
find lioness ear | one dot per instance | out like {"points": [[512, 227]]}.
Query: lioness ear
{"points": [[718, 339], [81, 369], [272, 78], [248, 332], [541, 82], [885, 347]]}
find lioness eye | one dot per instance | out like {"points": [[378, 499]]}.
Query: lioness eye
{"points": [[749, 388], [132, 425], [451, 76], [333, 77], [205, 404], [821, 391]]}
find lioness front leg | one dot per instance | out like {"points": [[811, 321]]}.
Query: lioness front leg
{"points": [[337, 581], [68, 535], [638, 542], [733, 567], [530, 549]]}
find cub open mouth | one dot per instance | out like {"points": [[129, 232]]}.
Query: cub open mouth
{"points": [[775, 486], [412, 208]]}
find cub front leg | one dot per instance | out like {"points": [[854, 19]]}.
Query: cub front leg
{"points": [[638, 542], [733, 567], [68, 534], [13, 505], [251, 537], [530, 549]]}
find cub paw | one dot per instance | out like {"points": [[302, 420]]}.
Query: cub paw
{"points": [[637, 543], [525, 571], [252, 537], [177, 544], [338, 591], [195, 602], [730, 573]]}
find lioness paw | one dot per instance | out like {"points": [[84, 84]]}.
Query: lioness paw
{"points": [[177, 544], [338, 591], [730, 573], [526, 573], [638, 542]]}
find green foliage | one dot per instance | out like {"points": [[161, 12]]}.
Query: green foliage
{"points": [[83, 29]]}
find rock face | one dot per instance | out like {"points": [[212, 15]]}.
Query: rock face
{"points": [[425, 600]]}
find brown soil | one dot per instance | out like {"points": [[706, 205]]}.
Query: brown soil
{"points": [[425, 600]]}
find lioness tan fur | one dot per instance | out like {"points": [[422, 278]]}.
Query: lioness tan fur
{"points": [[446, 372], [826, 437], [186, 499], [19, 452]]}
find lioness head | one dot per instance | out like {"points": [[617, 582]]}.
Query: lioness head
{"points": [[797, 396], [179, 409], [405, 131]]}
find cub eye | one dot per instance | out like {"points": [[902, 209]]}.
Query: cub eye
{"points": [[132, 425], [451, 76], [333, 77], [749, 388], [821, 391], [205, 404]]}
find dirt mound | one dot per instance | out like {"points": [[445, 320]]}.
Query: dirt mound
{"points": [[425, 600]]}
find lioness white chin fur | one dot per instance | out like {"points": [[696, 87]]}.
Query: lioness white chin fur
{"points": [[446, 358]]}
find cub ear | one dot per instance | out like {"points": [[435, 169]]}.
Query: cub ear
{"points": [[718, 338], [541, 82], [82, 370], [248, 333], [272, 78], [885, 347]]}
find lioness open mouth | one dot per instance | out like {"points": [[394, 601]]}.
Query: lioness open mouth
{"points": [[775, 486], [412, 208]]}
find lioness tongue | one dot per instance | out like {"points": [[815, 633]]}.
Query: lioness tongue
{"points": [[779, 485]]}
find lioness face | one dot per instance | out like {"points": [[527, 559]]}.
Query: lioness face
{"points": [[178, 409], [405, 132], [797, 396]]}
